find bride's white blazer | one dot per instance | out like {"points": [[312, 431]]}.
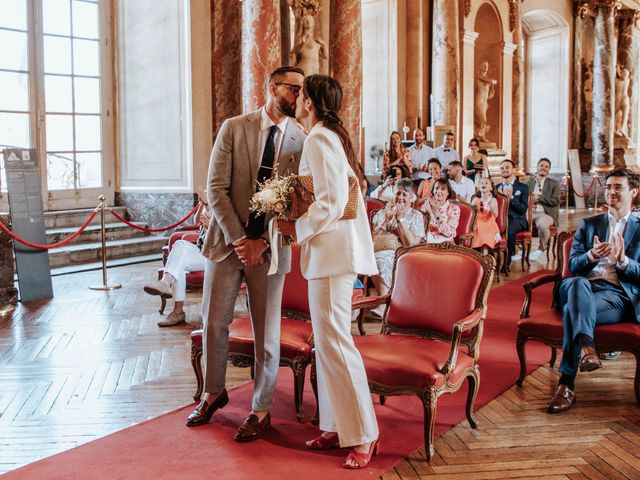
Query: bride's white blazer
{"points": [[331, 246]]}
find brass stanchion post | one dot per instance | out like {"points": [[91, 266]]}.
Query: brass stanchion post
{"points": [[104, 286]]}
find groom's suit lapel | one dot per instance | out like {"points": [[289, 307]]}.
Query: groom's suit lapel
{"points": [[603, 228], [252, 138]]}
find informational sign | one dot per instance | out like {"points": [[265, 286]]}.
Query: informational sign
{"points": [[27, 221], [576, 178]]}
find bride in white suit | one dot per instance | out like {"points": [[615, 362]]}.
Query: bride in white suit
{"points": [[334, 251]]}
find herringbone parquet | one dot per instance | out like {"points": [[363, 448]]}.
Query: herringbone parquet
{"points": [[88, 363]]}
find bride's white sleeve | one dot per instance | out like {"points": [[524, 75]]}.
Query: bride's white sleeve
{"points": [[327, 163]]}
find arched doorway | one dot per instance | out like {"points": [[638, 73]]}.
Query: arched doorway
{"points": [[547, 79]]}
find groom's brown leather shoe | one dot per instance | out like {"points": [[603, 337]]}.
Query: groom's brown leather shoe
{"points": [[562, 400], [253, 428], [589, 360], [203, 412]]}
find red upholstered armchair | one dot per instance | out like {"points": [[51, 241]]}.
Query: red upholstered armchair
{"points": [[500, 249], [546, 325], [428, 346], [467, 223], [523, 238], [295, 335], [373, 205]]}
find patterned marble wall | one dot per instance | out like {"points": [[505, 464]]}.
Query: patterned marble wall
{"points": [[8, 293], [156, 209]]}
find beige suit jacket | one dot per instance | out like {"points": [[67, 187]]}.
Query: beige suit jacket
{"points": [[233, 170]]}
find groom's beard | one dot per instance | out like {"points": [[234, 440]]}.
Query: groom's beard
{"points": [[286, 108]]}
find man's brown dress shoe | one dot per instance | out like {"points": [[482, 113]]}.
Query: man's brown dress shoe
{"points": [[252, 428], [203, 412], [562, 400], [589, 360]]}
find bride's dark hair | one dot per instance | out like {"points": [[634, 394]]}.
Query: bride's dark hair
{"points": [[326, 94]]}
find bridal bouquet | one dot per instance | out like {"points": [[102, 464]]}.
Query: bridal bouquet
{"points": [[274, 196]]}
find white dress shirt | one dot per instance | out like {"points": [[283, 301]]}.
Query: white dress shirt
{"points": [[265, 124], [446, 155], [606, 267], [420, 158], [464, 189]]}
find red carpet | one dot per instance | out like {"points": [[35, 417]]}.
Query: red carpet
{"points": [[163, 448]]}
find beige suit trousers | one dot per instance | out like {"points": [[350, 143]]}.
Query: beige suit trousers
{"points": [[343, 392]]}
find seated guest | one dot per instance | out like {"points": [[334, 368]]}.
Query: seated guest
{"points": [[396, 225], [386, 191], [463, 187], [397, 156], [446, 152], [518, 194], [435, 172], [486, 232], [444, 216], [421, 153], [184, 257], [605, 262], [546, 198], [475, 162]]}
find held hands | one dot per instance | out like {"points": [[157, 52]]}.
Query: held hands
{"points": [[250, 251], [286, 227]]}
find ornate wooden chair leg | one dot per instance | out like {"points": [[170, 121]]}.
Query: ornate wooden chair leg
{"points": [[524, 254], [383, 399], [314, 386], [520, 341], [429, 404], [299, 367], [252, 371], [636, 381], [361, 316], [196, 357], [163, 299], [497, 256], [474, 384], [554, 354], [528, 253]]}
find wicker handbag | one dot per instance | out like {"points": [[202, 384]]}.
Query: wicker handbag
{"points": [[303, 196], [385, 241]]}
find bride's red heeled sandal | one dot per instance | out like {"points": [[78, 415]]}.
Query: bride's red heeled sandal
{"points": [[323, 443], [362, 459]]}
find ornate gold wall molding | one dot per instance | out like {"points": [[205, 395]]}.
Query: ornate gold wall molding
{"points": [[467, 8], [632, 15], [512, 15], [615, 4], [581, 8]]}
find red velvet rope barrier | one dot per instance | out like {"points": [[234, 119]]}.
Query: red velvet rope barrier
{"points": [[154, 230], [55, 245], [593, 182]]}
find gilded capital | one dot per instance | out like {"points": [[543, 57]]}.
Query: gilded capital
{"points": [[612, 4], [581, 8], [467, 8]]}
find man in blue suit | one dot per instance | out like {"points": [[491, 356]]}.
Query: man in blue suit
{"points": [[518, 194], [606, 283]]}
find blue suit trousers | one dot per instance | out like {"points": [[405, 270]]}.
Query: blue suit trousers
{"points": [[584, 305]]}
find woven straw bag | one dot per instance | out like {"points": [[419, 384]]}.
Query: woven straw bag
{"points": [[303, 196]]}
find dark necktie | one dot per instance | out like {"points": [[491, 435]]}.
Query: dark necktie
{"points": [[447, 149], [255, 225]]}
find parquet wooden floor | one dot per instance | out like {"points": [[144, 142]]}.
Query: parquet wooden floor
{"points": [[88, 363]]}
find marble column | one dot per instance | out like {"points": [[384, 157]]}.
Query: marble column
{"points": [[345, 62], [226, 26], [445, 63], [260, 52], [578, 117], [508, 50], [604, 73], [468, 84], [8, 293], [628, 57], [517, 95]]}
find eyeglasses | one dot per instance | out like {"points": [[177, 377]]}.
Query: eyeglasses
{"points": [[293, 88], [615, 188]]}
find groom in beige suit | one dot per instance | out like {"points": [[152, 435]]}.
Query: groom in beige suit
{"points": [[247, 149]]}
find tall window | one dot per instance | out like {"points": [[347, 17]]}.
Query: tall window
{"points": [[50, 87]]}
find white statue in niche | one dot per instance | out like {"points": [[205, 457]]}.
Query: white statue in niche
{"points": [[310, 51], [622, 102], [485, 91]]}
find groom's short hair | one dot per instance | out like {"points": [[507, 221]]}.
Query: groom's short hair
{"points": [[278, 74]]}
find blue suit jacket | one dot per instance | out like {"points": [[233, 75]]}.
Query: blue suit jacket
{"points": [[579, 263], [519, 204]]}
